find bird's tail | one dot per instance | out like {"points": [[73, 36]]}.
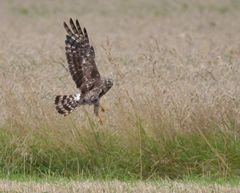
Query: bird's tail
{"points": [[65, 104]]}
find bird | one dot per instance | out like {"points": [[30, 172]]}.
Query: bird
{"points": [[80, 56]]}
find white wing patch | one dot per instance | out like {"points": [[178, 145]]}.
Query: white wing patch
{"points": [[77, 97]]}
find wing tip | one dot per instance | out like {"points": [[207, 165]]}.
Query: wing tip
{"points": [[71, 21], [85, 32], [65, 24]]}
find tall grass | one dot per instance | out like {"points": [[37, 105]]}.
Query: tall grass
{"points": [[173, 110], [135, 146], [106, 154]]}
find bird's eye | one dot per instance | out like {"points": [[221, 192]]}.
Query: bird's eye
{"points": [[94, 99], [109, 83]]}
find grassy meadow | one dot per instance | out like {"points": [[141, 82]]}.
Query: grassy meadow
{"points": [[174, 109]]}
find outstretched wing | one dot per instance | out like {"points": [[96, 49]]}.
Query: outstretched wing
{"points": [[80, 57]]}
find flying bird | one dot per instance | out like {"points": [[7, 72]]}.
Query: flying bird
{"points": [[83, 69]]}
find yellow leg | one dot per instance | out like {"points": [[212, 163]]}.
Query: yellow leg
{"points": [[96, 112], [102, 109]]}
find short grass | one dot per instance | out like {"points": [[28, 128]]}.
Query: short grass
{"points": [[64, 184], [164, 186], [173, 111]]}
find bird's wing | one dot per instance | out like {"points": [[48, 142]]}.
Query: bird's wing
{"points": [[80, 57]]}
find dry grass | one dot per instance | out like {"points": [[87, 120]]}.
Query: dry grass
{"points": [[176, 71], [168, 67], [115, 186]]}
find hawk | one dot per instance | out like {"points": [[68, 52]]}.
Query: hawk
{"points": [[83, 69]]}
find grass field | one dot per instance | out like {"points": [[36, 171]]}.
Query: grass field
{"points": [[114, 186], [174, 109]]}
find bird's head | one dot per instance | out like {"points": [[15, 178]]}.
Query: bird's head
{"points": [[108, 83]]}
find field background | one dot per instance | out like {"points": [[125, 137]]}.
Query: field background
{"points": [[174, 109]]}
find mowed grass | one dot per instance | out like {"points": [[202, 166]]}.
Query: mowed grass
{"points": [[174, 109], [114, 186]]}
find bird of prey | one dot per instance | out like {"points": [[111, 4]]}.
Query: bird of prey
{"points": [[81, 63]]}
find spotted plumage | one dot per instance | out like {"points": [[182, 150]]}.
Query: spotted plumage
{"points": [[83, 69]]}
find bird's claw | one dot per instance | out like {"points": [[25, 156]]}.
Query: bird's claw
{"points": [[102, 109]]}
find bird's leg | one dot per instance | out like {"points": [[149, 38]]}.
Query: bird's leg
{"points": [[102, 109], [96, 112]]}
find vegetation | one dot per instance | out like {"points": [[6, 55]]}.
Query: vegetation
{"points": [[174, 109], [100, 153], [113, 186]]}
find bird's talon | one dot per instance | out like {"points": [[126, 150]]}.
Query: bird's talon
{"points": [[102, 109], [100, 122]]}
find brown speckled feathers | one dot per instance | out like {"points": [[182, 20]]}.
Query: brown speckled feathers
{"points": [[80, 57], [81, 63]]}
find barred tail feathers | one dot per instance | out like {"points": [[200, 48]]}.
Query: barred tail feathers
{"points": [[65, 104]]}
